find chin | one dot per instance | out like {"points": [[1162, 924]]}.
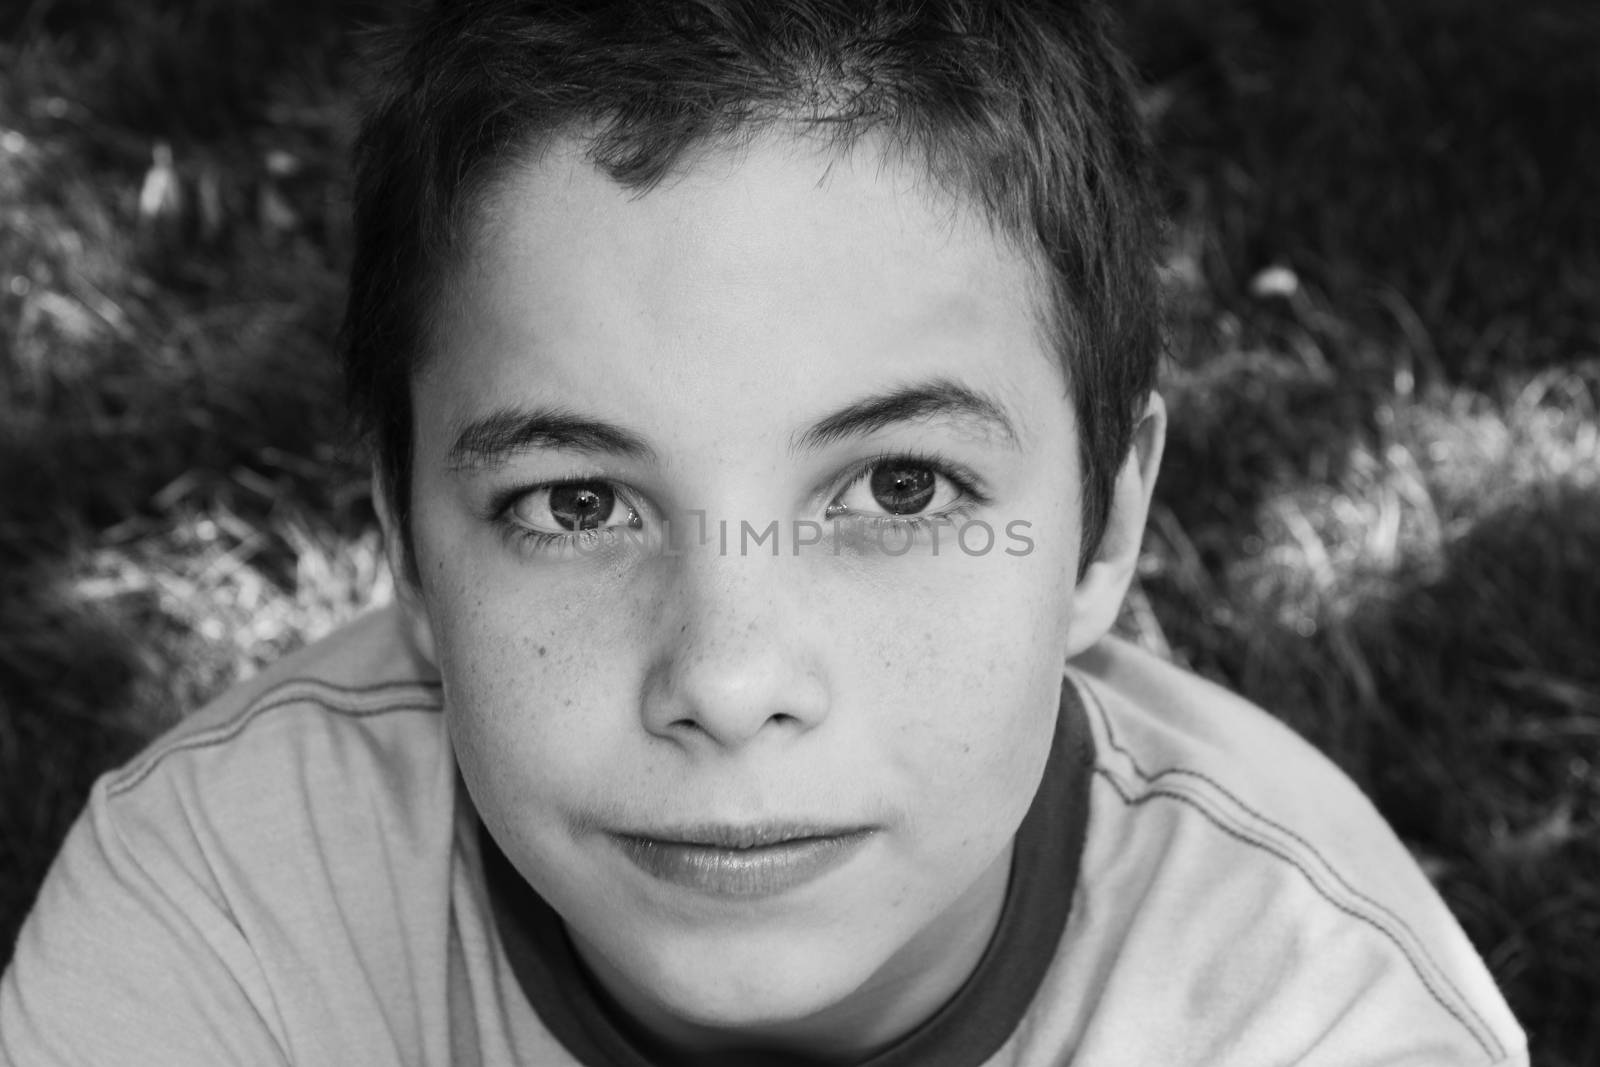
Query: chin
{"points": [[747, 1012], [744, 993], [781, 1022], [771, 989]]}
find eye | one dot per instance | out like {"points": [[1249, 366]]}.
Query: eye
{"points": [[897, 487], [572, 507]]}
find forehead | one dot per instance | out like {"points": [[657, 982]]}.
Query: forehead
{"points": [[784, 254]]}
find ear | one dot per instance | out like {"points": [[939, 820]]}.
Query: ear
{"points": [[408, 592], [1105, 581]]}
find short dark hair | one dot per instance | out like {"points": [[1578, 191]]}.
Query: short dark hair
{"points": [[1024, 108]]}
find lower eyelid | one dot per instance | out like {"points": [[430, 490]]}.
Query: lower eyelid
{"points": [[957, 511]]}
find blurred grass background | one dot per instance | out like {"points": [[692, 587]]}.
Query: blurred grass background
{"points": [[1380, 515]]}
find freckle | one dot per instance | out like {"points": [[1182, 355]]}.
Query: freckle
{"points": [[541, 650]]}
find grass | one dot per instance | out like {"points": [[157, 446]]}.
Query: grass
{"points": [[1380, 515]]}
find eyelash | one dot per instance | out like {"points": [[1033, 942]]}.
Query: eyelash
{"points": [[534, 542], [965, 482]]}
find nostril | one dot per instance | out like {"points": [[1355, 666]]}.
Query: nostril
{"points": [[689, 724]]}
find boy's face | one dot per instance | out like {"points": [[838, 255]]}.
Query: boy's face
{"points": [[792, 336]]}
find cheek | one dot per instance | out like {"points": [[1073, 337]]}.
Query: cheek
{"points": [[539, 679], [967, 665]]}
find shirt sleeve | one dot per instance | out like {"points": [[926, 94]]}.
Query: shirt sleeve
{"points": [[119, 965], [1250, 904]]}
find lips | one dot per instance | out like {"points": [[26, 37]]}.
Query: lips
{"points": [[741, 861]]}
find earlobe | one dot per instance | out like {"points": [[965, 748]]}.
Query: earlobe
{"points": [[407, 592], [1105, 581]]}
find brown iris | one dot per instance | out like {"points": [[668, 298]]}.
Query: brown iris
{"points": [[582, 505], [902, 489]]}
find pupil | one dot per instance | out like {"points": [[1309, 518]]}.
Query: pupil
{"points": [[581, 507], [902, 490]]}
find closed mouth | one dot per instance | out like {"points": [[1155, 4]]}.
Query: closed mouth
{"points": [[747, 836], [756, 860]]}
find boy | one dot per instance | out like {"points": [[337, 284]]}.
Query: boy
{"points": [[763, 405]]}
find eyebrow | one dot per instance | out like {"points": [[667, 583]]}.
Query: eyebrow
{"points": [[939, 398], [495, 438]]}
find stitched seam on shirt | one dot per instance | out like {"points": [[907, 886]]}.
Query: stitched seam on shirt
{"points": [[1410, 952], [1410, 935], [1239, 834], [285, 694], [1409, 943], [1152, 779]]}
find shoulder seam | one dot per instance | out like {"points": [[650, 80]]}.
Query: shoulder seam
{"points": [[356, 702], [1359, 906]]}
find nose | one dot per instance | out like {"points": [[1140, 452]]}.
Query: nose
{"points": [[738, 656]]}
